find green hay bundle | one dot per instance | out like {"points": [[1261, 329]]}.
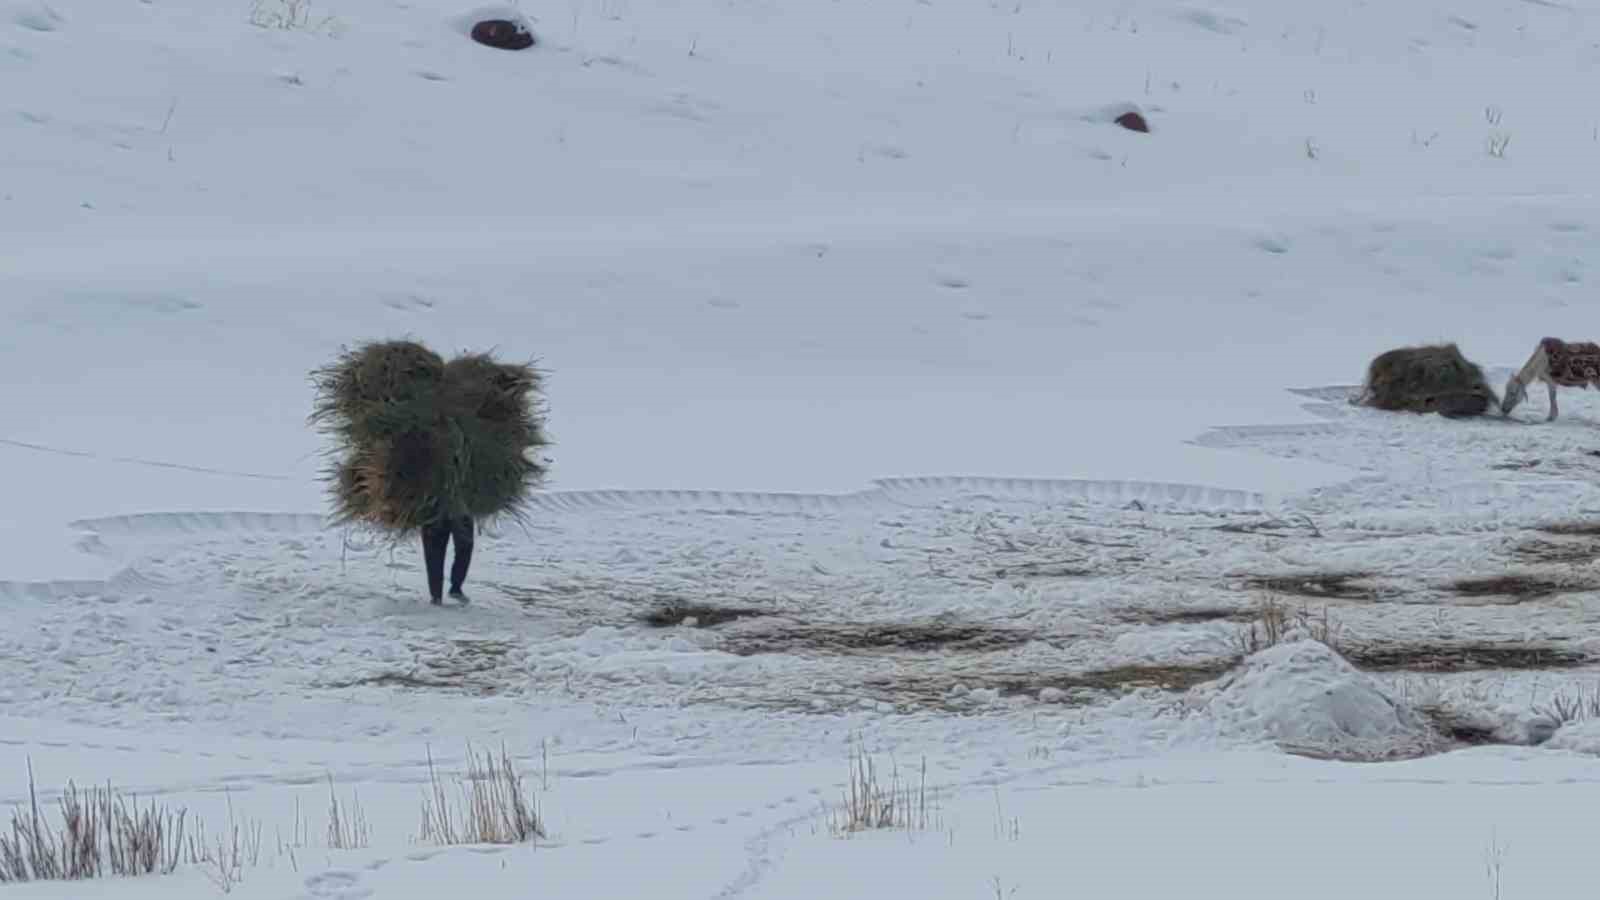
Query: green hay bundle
{"points": [[417, 438]]}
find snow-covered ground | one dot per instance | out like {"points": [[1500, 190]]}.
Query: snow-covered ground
{"points": [[903, 404]]}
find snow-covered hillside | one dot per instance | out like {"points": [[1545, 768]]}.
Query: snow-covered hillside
{"points": [[984, 423]]}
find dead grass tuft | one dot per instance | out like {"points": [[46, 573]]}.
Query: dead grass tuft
{"points": [[347, 823], [870, 804], [489, 805], [1572, 705], [1276, 622], [101, 834]]}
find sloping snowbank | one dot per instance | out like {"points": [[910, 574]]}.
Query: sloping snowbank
{"points": [[1309, 699]]}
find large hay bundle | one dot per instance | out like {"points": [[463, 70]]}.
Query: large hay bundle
{"points": [[417, 438], [1427, 379]]}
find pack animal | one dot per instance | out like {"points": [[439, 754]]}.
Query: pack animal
{"points": [[1428, 379], [1557, 363]]}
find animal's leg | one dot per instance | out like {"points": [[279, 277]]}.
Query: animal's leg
{"points": [[1553, 411]]}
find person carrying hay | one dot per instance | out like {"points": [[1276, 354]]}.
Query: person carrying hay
{"points": [[429, 446]]}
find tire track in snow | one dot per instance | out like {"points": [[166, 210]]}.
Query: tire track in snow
{"points": [[886, 493], [138, 461]]}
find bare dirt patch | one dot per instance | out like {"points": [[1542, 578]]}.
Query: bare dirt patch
{"points": [[1564, 552], [1044, 570], [1183, 615], [1461, 729], [1516, 588], [842, 638], [955, 691], [1120, 679], [1320, 586], [1462, 657], [1297, 526], [466, 665], [698, 615], [1572, 529]]}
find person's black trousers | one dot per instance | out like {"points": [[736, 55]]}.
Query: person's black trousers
{"points": [[435, 536]]}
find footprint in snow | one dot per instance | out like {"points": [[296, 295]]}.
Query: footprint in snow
{"points": [[337, 885], [37, 17], [430, 75]]}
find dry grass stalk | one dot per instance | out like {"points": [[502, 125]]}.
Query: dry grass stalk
{"points": [[1276, 622], [490, 805], [101, 834], [415, 437], [868, 804], [1574, 705], [237, 847], [347, 826]]}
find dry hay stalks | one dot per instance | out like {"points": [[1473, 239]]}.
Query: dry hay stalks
{"points": [[868, 804], [1427, 379], [347, 824], [416, 437], [1276, 623], [490, 805], [101, 834]]}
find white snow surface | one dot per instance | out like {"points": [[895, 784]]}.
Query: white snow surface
{"points": [[956, 424]]}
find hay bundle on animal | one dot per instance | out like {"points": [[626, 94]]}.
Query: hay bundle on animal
{"points": [[418, 440], [1557, 363], [1434, 378]]}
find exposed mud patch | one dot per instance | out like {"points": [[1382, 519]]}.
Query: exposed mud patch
{"points": [[1567, 552], [1462, 729], [1321, 586], [1517, 465], [923, 637], [469, 666], [969, 690], [1298, 526], [398, 680], [1176, 677], [1045, 570], [1462, 657], [1184, 615], [697, 615], [1572, 529], [1514, 588]]}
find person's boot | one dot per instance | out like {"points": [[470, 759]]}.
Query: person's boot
{"points": [[459, 597]]}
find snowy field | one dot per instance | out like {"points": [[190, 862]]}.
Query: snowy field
{"points": [[905, 409]]}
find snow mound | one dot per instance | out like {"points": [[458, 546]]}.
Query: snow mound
{"points": [[1582, 736], [35, 16], [1309, 699]]}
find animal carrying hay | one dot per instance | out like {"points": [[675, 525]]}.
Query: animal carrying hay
{"points": [[1427, 379], [416, 438]]}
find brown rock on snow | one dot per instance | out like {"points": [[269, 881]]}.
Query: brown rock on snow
{"points": [[503, 34], [1133, 122]]}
